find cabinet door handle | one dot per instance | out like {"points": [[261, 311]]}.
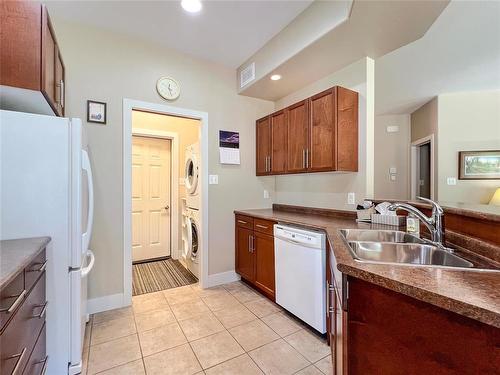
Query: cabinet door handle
{"points": [[20, 358], [16, 303], [61, 92], [303, 158], [261, 226], [242, 222], [41, 269], [42, 311], [252, 243], [307, 158]]}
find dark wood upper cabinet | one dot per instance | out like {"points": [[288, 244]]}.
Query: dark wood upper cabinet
{"points": [[321, 135], [263, 151], [278, 142], [30, 57], [298, 136]]}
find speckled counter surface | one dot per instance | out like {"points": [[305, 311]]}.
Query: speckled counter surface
{"points": [[16, 254], [473, 294]]}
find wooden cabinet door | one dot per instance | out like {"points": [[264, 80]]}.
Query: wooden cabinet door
{"points": [[245, 259], [264, 267], [59, 82], [20, 41], [49, 53], [323, 132], [298, 136], [347, 130], [278, 142], [263, 144]]}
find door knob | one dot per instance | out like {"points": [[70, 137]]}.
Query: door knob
{"points": [[166, 207]]}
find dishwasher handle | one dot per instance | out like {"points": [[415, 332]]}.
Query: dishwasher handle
{"points": [[298, 243]]}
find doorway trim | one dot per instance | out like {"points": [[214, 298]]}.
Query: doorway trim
{"points": [[414, 162], [174, 181], [128, 106]]}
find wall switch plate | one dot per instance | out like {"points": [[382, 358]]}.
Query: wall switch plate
{"points": [[266, 194], [351, 198], [392, 129], [451, 181], [393, 177], [213, 179], [392, 170]]}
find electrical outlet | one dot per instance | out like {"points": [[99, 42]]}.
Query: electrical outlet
{"points": [[351, 198], [266, 194], [213, 179]]}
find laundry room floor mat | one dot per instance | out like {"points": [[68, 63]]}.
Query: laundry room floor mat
{"points": [[159, 275]]}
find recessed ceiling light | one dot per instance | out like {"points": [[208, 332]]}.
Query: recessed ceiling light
{"points": [[275, 77], [191, 6]]}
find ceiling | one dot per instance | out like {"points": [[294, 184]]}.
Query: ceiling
{"points": [[225, 32], [460, 52], [373, 29]]}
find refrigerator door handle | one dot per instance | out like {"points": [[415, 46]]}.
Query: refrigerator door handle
{"points": [[86, 270], [90, 185]]}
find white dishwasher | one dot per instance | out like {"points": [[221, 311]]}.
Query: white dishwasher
{"points": [[300, 272]]}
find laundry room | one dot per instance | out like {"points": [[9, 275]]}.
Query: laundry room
{"points": [[165, 201]]}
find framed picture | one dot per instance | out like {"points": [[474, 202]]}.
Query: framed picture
{"points": [[96, 112], [479, 165]]}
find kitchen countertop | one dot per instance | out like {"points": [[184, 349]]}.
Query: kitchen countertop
{"points": [[16, 254], [474, 294]]}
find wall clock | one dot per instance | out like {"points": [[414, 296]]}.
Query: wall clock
{"points": [[168, 88]]}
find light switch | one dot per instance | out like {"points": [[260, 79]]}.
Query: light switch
{"points": [[213, 179], [392, 170], [351, 198], [451, 181], [393, 177], [266, 194], [392, 129]]}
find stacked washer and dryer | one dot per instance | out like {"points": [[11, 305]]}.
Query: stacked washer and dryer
{"points": [[191, 212]]}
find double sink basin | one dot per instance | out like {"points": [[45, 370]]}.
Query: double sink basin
{"points": [[397, 247]]}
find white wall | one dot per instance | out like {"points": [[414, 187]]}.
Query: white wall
{"points": [[329, 190], [392, 150], [467, 122], [108, 67]]}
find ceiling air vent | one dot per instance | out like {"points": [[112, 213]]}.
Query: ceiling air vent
{"points": [[247, 75]]}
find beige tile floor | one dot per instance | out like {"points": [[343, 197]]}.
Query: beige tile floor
{"points": [[230, 329]]}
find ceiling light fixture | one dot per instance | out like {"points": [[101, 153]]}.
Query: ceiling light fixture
{"points": [[275, 77], [191, 6]]}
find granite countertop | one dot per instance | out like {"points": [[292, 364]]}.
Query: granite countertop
{"points": [[16, 254], [474, 294]]}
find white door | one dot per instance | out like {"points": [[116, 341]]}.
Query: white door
{"points": [[150, 198]]}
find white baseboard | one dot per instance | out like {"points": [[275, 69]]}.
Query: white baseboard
{"points": [[113, 301], [222, 278]]}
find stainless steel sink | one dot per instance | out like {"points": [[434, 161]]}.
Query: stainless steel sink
{"points": [[394, 236], [406, 253]]}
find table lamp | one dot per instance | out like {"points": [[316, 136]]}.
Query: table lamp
{"points": [[495, 200]]}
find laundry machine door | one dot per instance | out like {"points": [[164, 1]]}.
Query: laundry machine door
{"points": [[194, 241], [186, 252], [191, 174]]}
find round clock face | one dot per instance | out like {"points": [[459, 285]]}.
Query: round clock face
{"points": [[168, 88]]}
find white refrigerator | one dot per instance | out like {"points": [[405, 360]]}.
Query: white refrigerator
{"points": [[46, 190]]}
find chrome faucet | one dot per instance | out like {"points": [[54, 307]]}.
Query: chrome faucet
{"points": [[433, 223]]}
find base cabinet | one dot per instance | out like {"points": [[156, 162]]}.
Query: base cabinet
{"points": [[254, 253], [390, 333]]}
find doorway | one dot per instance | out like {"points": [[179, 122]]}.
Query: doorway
{"points": [[151, 198], [132, 236], [422, 168]]}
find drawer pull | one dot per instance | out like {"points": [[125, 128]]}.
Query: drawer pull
{"points": [[261, 226], [242, 222], [16, 303], [42, 267], [43, 311], [20, 358], [44, 368]]}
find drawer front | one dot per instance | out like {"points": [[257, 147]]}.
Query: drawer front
{"points": [[244, 221], [34, 270], [263, 226], [22, 332], [37, 363], [11, 298]]}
